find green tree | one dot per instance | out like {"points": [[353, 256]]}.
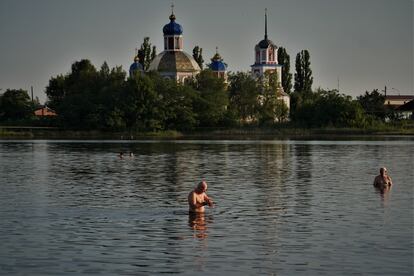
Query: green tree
{"points": [[211, 104], [281, 111], [15, 105], [307, 71], [284, 59], [329, 108], [271, 107], [153, 53], [145, 54], [56, 91], [373, 104], [299, 74], [107, 113], [87, 98], [198, 56], [243, 96], [141, 104], [177, 104], [303, 75], [80, 87]]}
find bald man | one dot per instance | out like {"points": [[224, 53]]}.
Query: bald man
{"points": [[382, 181], [198, 198]]}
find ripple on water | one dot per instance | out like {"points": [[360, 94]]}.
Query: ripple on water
{"points": [[283, 207]]}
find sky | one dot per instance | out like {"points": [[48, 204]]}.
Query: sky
{"points": [[356, 45]]}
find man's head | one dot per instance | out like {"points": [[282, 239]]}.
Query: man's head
{"points": [[383, 171], [201, 187]]}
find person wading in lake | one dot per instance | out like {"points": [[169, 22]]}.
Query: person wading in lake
{"points": [[198, 198], [383, 181]]}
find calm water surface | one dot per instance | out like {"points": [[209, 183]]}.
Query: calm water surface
{"points": [[283, 208]]}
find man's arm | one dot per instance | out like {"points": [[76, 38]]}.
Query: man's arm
{"points": [[208, 200]]}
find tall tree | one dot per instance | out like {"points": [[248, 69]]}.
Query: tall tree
{"points": [[243, 96], [15, 105], [307, 71], [145, 54], [299, 74], [153, 53], [56, 91], [271, 109], [303, 75], [373, 104], [213, 100], [284, 59], [198, 56], [140, 104]]}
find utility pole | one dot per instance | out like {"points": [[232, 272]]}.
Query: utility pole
{"points": [[338, 84], [385, 91], [31, 88]]}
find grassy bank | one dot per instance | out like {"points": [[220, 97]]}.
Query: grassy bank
{"points": [[291, 132], [203, 133], [55, 133]]}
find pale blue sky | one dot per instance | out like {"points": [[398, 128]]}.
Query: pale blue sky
{"points": [[366, 43]]}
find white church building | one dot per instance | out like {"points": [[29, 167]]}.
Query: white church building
{"points": [[266, 61], [176, 64]]}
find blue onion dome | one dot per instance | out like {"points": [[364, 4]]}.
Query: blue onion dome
{"points": [[217, 63], [172, 28]]}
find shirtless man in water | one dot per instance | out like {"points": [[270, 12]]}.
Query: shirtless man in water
{"points": [[382, 181], [198, 198]]}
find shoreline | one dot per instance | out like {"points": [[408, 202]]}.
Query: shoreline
{"points": [[38, 133]]}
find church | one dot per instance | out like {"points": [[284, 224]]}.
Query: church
{"points": [[174, 63], [266, 61]]}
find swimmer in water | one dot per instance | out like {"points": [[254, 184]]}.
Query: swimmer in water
{"points": [[198, 198], [383, 180]]}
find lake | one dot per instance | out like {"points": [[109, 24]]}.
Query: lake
{"points": [[283, 207]]}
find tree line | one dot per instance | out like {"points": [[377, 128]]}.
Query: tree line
{"points": [[105, 99]]}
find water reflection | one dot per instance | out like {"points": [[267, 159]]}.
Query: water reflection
{"points": [[198, 222], [303, 186], [384, 194]]}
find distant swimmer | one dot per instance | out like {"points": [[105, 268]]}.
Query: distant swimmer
{"points": [[198, 198], [383, 180], [121, 155], [131, 154]]}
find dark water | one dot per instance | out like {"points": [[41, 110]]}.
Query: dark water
{"points": [[283, 208]]}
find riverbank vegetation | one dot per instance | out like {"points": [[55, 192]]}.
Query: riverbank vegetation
{"points": [[105, 101]]}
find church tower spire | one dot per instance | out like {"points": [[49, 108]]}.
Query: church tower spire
{"points": [[265, 37], [265, 55]]}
